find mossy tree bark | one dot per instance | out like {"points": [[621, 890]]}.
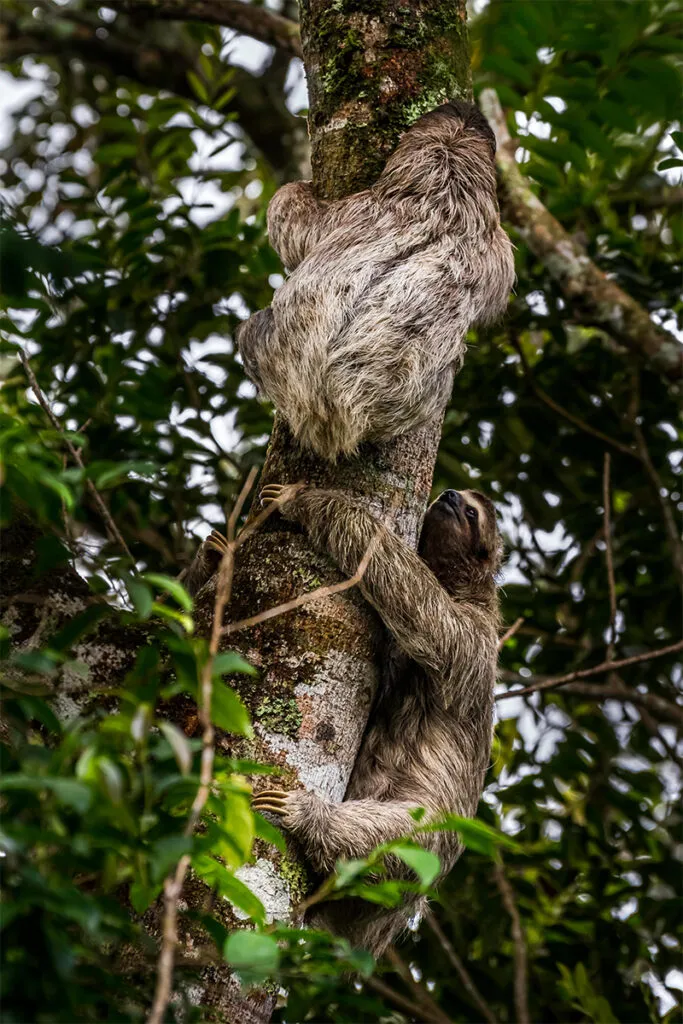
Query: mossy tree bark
{"points": [[373, 67]]}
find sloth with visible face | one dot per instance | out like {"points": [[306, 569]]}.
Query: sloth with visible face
{"points": [[429, 736], [363, 339]]}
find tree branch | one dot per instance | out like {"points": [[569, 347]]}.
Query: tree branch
{"points": [[112, 528], [552, 682], [597, 299], [460, 969], [257, 22], [262, 114], [519, 950]]}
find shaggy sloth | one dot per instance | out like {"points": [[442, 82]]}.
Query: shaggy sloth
{"points": [[429, 737], [363, 339]]}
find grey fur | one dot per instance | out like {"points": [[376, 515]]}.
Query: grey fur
{"points": [[429, 737], [363, 339]]}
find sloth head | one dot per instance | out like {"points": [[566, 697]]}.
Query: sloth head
{"points": [[445, 166], [460, 541]]}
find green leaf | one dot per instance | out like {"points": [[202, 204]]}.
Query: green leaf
{"points": [[256, 956], [142, 896], [229, 886], [228, 712], [165, 853], [170, 586], [424, 863], [346, 871], [179, 745], [198, 86], [269, 833], [475, 834], [141, 597], [227, 662], [67, 791]]}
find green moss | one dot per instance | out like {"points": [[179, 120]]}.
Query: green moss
{"points": [[280, 715], [296, 876]]}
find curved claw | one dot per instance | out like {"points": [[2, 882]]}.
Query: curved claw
{"points": [[278, 809], [216, 542], [273, 800], [271, 493]]}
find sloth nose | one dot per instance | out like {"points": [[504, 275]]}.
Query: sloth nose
{"points": [[452, 498]]}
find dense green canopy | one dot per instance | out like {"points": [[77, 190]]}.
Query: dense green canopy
{"points": [[136, 176]]}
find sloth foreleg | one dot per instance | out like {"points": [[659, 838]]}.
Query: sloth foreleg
{"points": [[328, 831]]}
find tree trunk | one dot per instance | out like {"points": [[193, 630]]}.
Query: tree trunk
{"points": [[372, 70], [373, 67]]}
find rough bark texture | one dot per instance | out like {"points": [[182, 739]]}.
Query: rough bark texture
{"points": [[594, 298], [372, 69]]}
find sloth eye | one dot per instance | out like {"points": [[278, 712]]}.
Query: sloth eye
{"points": [[470, 512]]}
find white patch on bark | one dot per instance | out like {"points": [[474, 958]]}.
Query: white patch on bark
{"points": [[322, 764], [272, 890]]}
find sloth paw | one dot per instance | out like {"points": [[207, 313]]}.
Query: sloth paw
{"points": [[273, 800], [216, 542]]}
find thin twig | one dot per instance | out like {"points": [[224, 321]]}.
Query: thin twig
{"points": [[421, 994], [544, 397], [607, 529], [174, 883], [75, 455], [519, 950], [313, 595], [551, 682], [239, 504], [382, 989], [672, 532], [510, 632], [460, 969]]}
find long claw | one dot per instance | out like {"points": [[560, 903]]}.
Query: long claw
{"points": [[279, 793], [273, 808], [271, 493]]}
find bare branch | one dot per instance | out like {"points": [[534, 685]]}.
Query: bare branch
{"points": [[430, 1011], [110, 525], [257, 22], [672, 532], [607, 531], [407, 1005], [519, 950], [544, 397], [552, 682], [460, 969], [596, 299], [510, 632]]}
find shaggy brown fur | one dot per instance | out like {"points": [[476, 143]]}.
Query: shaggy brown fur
{"points": [[363, 339], [429, 737]]}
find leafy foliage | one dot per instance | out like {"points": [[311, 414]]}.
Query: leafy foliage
{"points": [[127, 256]]}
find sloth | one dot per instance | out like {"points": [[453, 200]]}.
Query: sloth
{"points": [[429, 735], [363, 339]]}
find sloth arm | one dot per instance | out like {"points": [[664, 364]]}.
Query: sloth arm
{"points": [[455, 640], [296, 222]]}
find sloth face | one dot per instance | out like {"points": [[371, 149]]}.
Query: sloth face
{"points": [[459, 535]]}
